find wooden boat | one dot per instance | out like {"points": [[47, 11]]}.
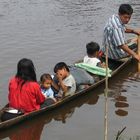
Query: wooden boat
{"points": [[116, 67]]}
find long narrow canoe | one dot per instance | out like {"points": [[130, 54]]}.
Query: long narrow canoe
{"points": [[115, 66]]}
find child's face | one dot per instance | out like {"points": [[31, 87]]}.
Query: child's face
{"points": [[47, 83], [61, 73]]}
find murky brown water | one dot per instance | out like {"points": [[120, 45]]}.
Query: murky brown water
{"points": [[48, 31]]}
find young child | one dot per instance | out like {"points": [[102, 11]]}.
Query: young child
{"points": [[66, 83], [45, 84], [92, 55]]}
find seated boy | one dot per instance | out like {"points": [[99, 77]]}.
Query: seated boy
{"points": [[66, 82], [92, 55]]}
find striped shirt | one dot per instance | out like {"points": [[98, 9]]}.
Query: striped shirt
{"points": [[113, 37]]}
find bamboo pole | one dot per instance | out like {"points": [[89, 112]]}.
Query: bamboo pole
{"points": [[139, 52], [106, 100]]}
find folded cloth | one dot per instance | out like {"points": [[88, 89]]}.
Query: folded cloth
{"points": [[13, 110], [10, 113]]}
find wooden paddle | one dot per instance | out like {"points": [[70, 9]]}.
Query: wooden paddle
{"points": [[139, 52]]}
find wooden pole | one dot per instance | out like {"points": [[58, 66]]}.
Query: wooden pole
{"points": [[106, 100], [139, 52]]}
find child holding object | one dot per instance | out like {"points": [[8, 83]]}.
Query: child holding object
{"points": [[66, 83]]}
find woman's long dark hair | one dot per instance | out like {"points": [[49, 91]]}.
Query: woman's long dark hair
{"points": [[26, 71]]}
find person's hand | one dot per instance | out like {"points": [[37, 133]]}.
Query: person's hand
{"points": [[59, 77], [103, 65], [136, 56], [136, 32]]}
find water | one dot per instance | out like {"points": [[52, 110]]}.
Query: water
{"points": [[48, 31]]}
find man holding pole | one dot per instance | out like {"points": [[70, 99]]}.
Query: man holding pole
{"points": [[114, 35]]}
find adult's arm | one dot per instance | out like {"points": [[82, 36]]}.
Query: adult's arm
{"points": [[130, 52], [129, 30], [40, 98]]}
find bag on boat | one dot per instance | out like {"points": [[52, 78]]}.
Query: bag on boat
{"points": [[94, 69], [81, 76], [9, 113]]}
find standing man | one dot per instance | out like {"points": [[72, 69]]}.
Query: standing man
{"points": [[114, 35]]}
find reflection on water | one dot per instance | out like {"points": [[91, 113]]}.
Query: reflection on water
{"points": [[69, 110], [121, 112], [32, 129], [28, 130], [120, 104]]}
